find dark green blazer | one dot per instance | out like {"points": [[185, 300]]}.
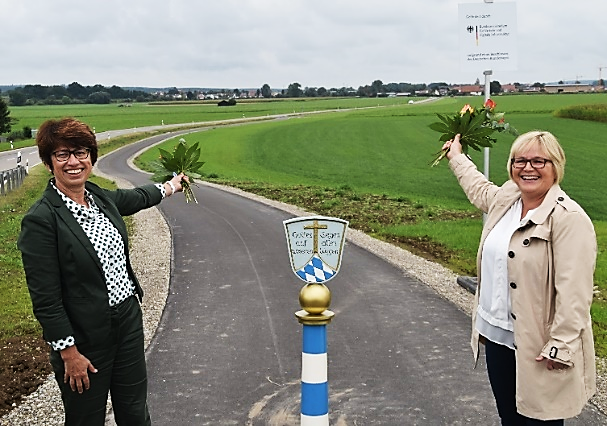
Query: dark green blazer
{"points": [[63, 272]]}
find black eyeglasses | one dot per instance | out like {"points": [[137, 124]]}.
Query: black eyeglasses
{"points": [[536, 163], [63, 155]]}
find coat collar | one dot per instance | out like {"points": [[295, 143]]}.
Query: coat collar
{"points": [[55, 199], [554, 196], [510, 193]]}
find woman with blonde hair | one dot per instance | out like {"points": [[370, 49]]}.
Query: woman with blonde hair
{"points": [[535, 269]]}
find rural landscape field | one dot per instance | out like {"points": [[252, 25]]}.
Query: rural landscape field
{"points": [[364, 160]]}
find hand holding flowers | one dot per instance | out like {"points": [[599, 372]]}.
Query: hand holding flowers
{"points": [[185, 162], [475, 127]]}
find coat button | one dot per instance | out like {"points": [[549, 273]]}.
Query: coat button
{"points": [[510, 254], [513, 285], [513, 316], [561, 199], [526, 242]]}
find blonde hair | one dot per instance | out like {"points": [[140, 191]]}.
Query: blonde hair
{"points": [[549, 145]]}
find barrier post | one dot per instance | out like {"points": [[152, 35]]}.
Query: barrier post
{"points": [[314, 299], [315, 250]]}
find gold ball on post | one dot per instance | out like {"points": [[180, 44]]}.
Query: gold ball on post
{"points": [[315, 298]]}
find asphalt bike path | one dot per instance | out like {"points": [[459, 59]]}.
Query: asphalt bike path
{"points": [[228, 347]]}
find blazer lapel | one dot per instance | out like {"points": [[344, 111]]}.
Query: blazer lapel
{"points": [[66, 216]]}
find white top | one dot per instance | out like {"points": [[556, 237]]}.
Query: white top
{"points": [[493, 318]]}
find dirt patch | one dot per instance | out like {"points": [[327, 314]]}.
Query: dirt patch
{"points": [[24, 366], [374, 214]]}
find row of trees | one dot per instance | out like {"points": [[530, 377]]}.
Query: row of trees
{"points": [[98, 94], [377, 88], [73, 93], [33, 94]]}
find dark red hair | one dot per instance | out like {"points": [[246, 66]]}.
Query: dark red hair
{"points": [[67, 132]]}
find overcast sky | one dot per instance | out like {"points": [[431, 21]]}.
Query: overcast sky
{"points": [[248, 43]]}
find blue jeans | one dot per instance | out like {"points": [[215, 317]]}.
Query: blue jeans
{"points": [[501, 367]]}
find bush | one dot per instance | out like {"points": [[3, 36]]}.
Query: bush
{"points": [[231, 102], [596, 112], [27, 132], [15, 135]]}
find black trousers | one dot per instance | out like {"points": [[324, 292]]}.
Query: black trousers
{"points": [[121, 372], [501, 367]]}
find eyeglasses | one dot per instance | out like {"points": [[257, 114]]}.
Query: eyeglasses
{"points": [[64, 155], [536, 163]]}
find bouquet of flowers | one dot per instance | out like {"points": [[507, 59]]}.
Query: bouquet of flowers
{"points": [[184, 160], [475, 127]]}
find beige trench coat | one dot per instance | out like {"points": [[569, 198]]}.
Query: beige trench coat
{"points": [[551, 262]]}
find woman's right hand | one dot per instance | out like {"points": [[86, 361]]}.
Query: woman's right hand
{"points": [[76, 368], [454, 146]]}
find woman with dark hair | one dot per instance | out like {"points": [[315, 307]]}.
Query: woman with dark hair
{"points": [[535, 266], [84, 292]]}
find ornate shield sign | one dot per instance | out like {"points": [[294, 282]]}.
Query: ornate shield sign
{"points": [[315, 246]]}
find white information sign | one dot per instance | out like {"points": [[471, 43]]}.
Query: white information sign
{"points": [[487, 34]]}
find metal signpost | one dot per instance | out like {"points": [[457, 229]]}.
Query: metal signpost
{"points": [[487, 33], [315, 251]]}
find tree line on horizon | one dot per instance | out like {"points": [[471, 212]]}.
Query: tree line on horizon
{"points": [[75, 93]]}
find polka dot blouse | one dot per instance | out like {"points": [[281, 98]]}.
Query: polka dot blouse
{"points": [[108, 245]]}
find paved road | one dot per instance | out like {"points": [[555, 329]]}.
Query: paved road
{"points": [[228, 349]]}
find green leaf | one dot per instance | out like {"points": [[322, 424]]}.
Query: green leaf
{"points": [[439, 127], [452, 122], [180, 150], [476, 122], [184, 159], [481, 132], [447, 137], [464, 123]]}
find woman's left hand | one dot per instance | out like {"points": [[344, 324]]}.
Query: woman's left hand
{"points": [[176, 181], [453, 146], [551, 364]]}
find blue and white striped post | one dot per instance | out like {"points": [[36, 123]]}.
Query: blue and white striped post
{"points": [[314, 384], [315, 250], [314, 298]]}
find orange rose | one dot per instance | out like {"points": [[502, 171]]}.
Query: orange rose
{"points": [[489, 104], [465, 109]]}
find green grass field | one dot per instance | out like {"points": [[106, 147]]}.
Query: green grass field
{"points": [[114, 116], [371, 165], [387, 151]]}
